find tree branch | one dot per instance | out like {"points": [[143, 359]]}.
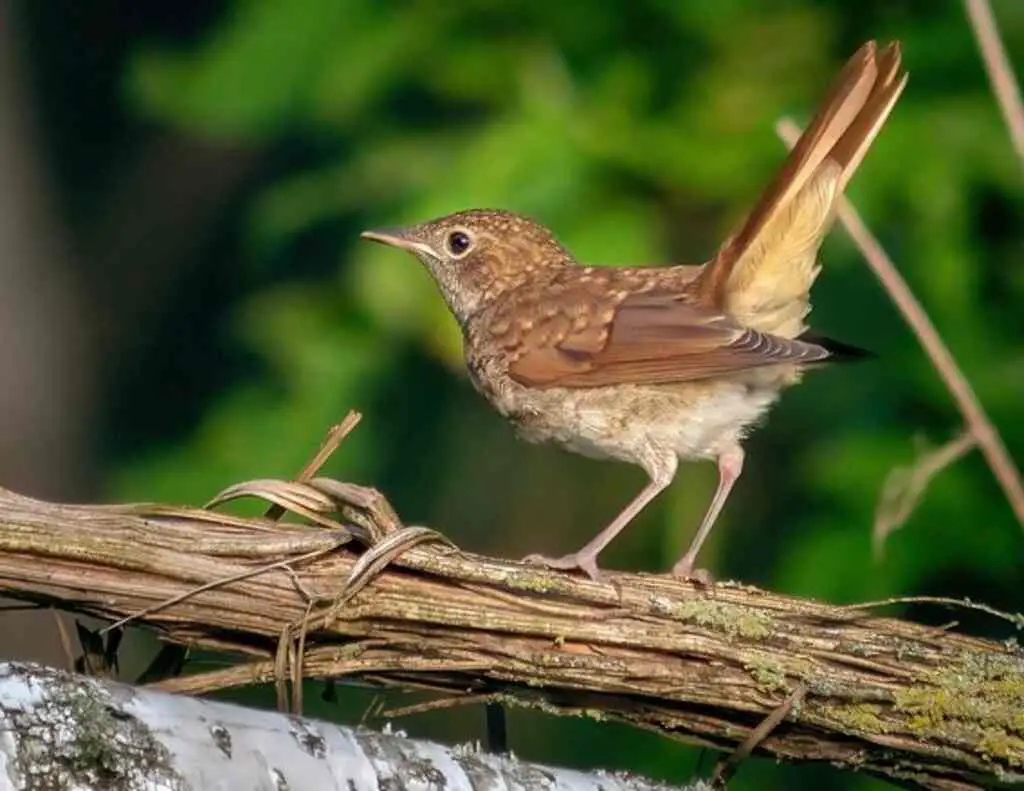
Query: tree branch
{"points": [[912, 703], [65, 731]]}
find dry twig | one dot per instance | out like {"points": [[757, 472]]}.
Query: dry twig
{"points": [[905, 487], [283, 499], [1000, 72], [316, 499], [335, 436], [977, 421], [727, 767]]}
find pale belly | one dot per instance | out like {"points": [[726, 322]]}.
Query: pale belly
{"points": [[693, 420]]}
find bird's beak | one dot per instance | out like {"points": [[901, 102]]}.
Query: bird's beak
{"points": [[399, 237]]}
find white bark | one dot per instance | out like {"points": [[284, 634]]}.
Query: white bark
{"points": [[58, 730]]}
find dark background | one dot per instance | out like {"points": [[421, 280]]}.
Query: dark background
{"points": [[184, 301]]}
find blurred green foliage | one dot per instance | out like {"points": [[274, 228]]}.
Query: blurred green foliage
{"points": [[639, 131]]}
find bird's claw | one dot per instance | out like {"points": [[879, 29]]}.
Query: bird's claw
{"points": [[585, 563], [684, 570]]}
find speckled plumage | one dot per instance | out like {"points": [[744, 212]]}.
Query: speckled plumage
{"points": [[653, 365], [688, 418]]}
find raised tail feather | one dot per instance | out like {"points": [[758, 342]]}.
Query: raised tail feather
{"points": [[762, 275]]}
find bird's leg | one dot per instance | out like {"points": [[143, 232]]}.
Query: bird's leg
{"points": [[730, 465], [585, 559]]}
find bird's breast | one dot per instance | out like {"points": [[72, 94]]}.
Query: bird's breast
{"points": [[694, 420]]}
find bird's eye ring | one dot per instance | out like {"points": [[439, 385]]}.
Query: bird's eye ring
{"points": [[459, 243]]}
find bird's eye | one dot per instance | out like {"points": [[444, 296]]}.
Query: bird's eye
{"points": [[459, 242]]}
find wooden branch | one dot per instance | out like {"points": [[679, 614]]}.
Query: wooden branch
{"points": [[923, 706], [66, 731]]}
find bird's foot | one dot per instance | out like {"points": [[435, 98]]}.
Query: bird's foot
{"points": [[578, 560], [684, 570]]}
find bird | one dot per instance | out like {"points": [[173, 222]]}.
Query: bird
{"points": [[655, 365]]}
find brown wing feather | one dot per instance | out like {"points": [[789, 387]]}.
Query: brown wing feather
{"points": [[644, 338], [763, 273], [591, 328]]}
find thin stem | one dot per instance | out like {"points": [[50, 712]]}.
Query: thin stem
{"points": [[990, 443], [907, 485], [1000, 72]]}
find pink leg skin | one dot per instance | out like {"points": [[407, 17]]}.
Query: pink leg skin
{"points": [[730, 466], [585, 559]]}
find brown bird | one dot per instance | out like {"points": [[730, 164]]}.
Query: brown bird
{"points": [[653, 365]]}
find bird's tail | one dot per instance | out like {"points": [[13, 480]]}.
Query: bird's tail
{"points": [[762, 275]]}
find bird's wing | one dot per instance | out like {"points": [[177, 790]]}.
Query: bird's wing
{"points": [[591, 337]]}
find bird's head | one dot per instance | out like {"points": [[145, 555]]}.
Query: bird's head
{"points": [[477, 255]]}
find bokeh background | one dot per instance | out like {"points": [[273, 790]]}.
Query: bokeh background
{"points": [[184, 301]]}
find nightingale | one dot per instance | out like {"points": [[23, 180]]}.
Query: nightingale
{"points": [[650, 365]]}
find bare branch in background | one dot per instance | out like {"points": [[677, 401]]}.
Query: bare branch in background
{"points": [[989, 442], [905, 487], [1000, 72]]}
